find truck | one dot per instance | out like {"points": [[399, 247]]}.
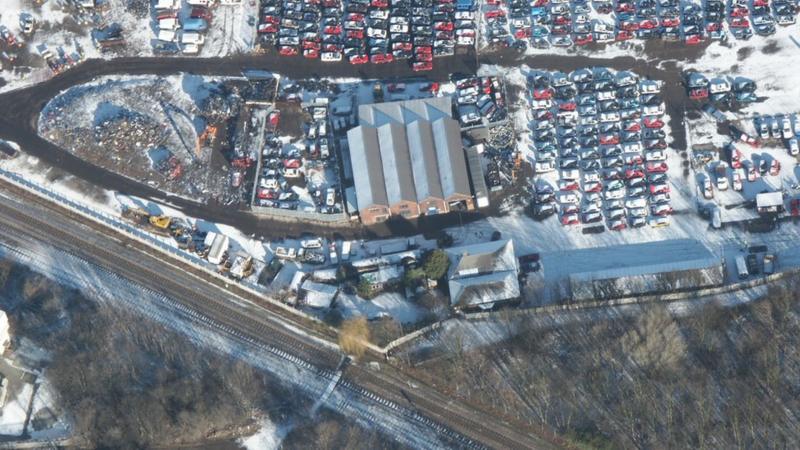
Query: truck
{"points": [[741, 267], [769, 264], [346, 250]]}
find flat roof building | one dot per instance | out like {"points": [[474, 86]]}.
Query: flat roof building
{"points": [[408, 160]]}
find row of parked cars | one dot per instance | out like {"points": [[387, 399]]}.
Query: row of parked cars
{"points": [[285, 170], [781, 127], [362, 31], [602, 133], [564, 23], [720, 89], [748, 16], [480, 99]]}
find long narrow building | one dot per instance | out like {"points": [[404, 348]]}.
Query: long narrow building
{"points": [[408, 160]]}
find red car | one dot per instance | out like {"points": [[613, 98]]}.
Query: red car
{"points": [[380, 4], [311, 45], [420, 66], [583, 40], [698, 93], [653, 123], [564, 185], [633, 126], [694, 39], [443, 26], [629, 26], [355, 17], [424, 49], [567, 106], [562, 20], [311, 53], [359, 59], [659, 188], [592, 187], [626, 8], [713, 26], [495, 13], [648, 24], [633, 173], [618, 225], [380, 58], [740, 22], [623, 35], [542, 94], [570, 219], [271, 19], [287, 51], [522, 33], [355, 34], [267, 28], [670, 22], [656, 167], [424, 57], [609, 139], [740, 11], [332, 29], [774, 168]]}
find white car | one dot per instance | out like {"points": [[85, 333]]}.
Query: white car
{"points": [[568, 197], [794, 148], [634, 203], [614, 194], [637, 212], [737, 179], [659, 221], [570, 174], [331, 56], [656, 155], [544, 166], [787, 128]]}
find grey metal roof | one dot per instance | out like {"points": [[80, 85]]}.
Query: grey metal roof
{"points": [[450, 155], [396, 163], [405, 111], [413, 151], [482, 273], [365, 158], [483, 289], [617, 261], [486, 257], [476, 174], [423, 160]]}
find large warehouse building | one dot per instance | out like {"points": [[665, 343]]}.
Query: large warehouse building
{"points": [[639, 269], [408, 160]]}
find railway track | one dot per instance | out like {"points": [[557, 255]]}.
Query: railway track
{"points": [[209, 304]]}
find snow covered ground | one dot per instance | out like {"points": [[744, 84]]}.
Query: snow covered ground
{"points": [[15, 412], [268, 437]]}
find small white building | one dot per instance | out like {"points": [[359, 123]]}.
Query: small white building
{"points": [[318, 295], [218, 244], [769, 202]]}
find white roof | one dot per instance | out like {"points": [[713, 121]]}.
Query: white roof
{"points": [[769, 199], [319, 295], [482, 274]]}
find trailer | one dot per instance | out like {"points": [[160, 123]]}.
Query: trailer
{"points": [[741, 267]]}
